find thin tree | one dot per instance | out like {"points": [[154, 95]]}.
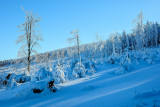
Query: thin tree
{"points": [[30, 38], [75, 38], [139, 30], [139, 19], [97, 37], [113, 43]]}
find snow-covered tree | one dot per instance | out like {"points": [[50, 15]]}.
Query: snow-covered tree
{"points": [[30, 38], [79, 70], [75, 38], [58, 74]]}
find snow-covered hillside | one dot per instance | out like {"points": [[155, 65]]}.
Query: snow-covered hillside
{"points": [[120, 71], [140, 87]]}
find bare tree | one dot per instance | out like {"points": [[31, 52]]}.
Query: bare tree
{"points": [[30, 38], [139, 19], [139, 31], [76, 39], [97, 37]]}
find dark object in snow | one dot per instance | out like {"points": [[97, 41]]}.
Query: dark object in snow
{"points": [[51, 86], [111, 61], [51, 83], [5, 82], [22, 78], [80, 75], [20, 81], [8, 76], [19, 78], [54, 90], [35, 90]]}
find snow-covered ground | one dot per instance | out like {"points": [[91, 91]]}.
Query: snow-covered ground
{"points": [[140, 87]]}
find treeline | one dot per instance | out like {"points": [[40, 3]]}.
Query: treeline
{"points": [[141, 37]]}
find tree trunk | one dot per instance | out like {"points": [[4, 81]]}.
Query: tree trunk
{"points": [[29, 47]]}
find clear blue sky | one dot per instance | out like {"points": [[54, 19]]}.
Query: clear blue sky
{"points": [[59, 17]]}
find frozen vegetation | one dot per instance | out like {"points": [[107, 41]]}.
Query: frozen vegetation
{"points": [[120, 71], [139, 87]]}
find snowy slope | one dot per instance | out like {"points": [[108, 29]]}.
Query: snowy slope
{"points": [[141, 87]]}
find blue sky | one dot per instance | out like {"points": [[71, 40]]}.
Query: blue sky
{"points": [[59, 17]]}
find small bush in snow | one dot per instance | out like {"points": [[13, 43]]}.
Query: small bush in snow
{"points": [[58, 75], [112, 60], [80, 70], [43, 73], [74, 75], [91, 70], [19, 78], [22, 78], [13, 83], [125, 65], [6, 80], [152, 56]]}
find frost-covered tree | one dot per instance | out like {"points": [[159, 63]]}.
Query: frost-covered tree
{"points": [[138, 31], [113, 43], [139, 19], [58, 74], [97, 37], [75, 38], [30, 38]]}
